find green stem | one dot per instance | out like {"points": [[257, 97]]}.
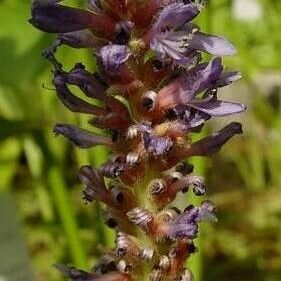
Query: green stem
{"points": [[67, 216]]}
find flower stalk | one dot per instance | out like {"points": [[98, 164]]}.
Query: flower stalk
{"points": [[149, 54]]}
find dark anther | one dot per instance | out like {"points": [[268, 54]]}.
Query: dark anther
{"points": [[122, 37], [157, 65], [123, 32], [165, 28], [199, 189], [114, 136], [189, 207], [171, 114], [147, 103], [177, 210], [148, 99], [185, 189], [120, 197], [121, 252], [111, 266], [111, 223], [185, 168], [105, 264], [192, 248]]}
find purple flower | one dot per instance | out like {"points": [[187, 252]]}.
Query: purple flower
{"points": [[90, 84], [170, 44], [175, 15], [81, 138], [185, 225], [55, 18], [93, 180], [213, 143], [199, 187], [112, 169], [157, 145], [166, 41], [72, 102], [172, 36], [147, 106], [184, 90], [80, 39], [154, 144], [207, 211], [113, 56]]}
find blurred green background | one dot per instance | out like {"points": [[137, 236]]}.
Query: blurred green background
{"points": [[42, 217]]}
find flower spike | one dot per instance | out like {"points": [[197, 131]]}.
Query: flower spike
{"points": [[154, 90]]}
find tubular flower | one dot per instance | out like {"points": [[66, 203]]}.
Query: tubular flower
{"points": [[141, 48]]}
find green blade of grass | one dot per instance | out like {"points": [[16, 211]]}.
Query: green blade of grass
{"points": [[67, 216]]}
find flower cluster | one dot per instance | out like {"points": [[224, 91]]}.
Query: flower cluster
{"points": [[148, 53]]}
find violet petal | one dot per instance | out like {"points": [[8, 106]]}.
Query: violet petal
{"points": [[61, 19], [81, 138], [87, 82], [79, 39], [184, 89], [72, 102], [218, 107], [180, 231], [210, 73], [215, 45], [227, 78], [213, 143], [157, 145], [113, 56], [171, 44], [93, 181], [176, 14], [206, 212], [188, 216]]}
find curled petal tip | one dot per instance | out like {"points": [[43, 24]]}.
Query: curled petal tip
{"points": [[235, 127], [213, 143], [81, 138]]}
